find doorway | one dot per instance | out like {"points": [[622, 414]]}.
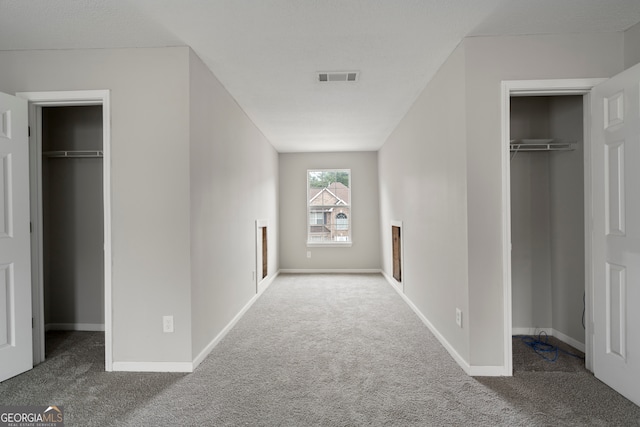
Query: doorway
{"points": [[72, 219], [547, 231], [70, 211], [580, 88]]}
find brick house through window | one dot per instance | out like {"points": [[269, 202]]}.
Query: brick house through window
{"points": [[329, 209]]}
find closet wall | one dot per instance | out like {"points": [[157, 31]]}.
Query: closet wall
{"points": [[547, 218], [73, 220]]}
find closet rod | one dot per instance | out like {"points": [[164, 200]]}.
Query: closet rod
{"points": [[70, 154], [552, 146]]}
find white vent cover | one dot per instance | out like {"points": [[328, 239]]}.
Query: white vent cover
{"points": [[338, 76]]}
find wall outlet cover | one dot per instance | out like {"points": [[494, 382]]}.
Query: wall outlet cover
{"points": [[167, 324]]}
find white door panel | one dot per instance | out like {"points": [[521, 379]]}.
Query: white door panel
{"points": [[616, 238], [15, 274]]}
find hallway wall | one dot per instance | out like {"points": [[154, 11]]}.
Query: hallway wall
{"points": [[190, 174], [441, 173], [234, 182], [632, 46], [423, 184], [149, 183]]}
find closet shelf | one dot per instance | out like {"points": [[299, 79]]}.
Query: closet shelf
{"points": [[72, 154], [522, 145]]}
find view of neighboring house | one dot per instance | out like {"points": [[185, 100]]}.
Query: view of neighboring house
{"points": [[329, 213]]}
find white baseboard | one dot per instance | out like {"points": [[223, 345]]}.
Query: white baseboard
{"points": [[191, 366], [263, 285], [454, 354], [95, 327], [330, 271], [531, 331], [393, 282], [153, 366], [552, 333], [567, 339], [488, 371]]}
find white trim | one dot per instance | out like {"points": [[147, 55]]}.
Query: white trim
{"points": [[588, 237], [487, 371], [529, 88], [82, 97], [475, 371], [330, 271], [534, 332], [205, 352], [334, 244], [454, 354], [191, 366], [90, 327], [393, 282], [552, 86], [349, 205], [152, 366], [37, 266], [507, 318], [568, 340]]}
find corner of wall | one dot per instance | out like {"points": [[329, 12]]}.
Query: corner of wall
{"points": [[632, 46]]}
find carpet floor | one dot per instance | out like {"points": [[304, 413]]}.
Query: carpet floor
{"points": [[546, 358], [315, 350]]}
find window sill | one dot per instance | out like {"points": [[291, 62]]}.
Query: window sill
{"points": [[329, 245]]}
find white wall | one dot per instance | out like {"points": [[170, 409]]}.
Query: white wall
{"points": [[364, 254], [632, 46], [234, 181], [190, 175], [530, 227], [150, 183], [422, 168], [490, 60], [440, 172], [566, 217]]}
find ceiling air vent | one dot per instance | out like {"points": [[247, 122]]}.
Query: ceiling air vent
{"points": [[338, 76]]}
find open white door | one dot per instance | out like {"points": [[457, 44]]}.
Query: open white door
{"points": [[15, 273], [616, 232]]}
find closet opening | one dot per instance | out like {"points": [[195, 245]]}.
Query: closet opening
{"points": [[70, 204], [547, 206], [72, 227]]}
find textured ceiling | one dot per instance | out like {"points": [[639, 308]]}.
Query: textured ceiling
{"points": [[267, 52]]}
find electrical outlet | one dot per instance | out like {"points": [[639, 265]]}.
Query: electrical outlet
{"points": [[167, 323], [308, 254], [459, 317]]}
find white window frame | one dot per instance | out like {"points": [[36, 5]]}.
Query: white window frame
{"points": [[311, 241]]}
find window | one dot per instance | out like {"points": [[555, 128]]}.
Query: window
{"points": [[329, 206], [316, 218], [342, 222]]}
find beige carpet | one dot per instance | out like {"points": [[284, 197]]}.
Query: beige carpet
{"points": [[325, 350]]}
